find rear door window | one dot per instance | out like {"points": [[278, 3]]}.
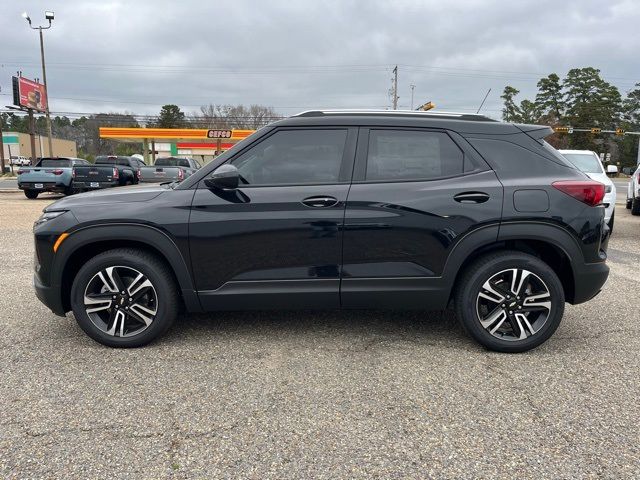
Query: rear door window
{"points": [[401, 155]]}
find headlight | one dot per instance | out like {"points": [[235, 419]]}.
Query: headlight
{"points": [[607, 189], [46, 216]]}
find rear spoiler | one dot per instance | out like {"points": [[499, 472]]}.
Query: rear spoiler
{"points": [[537, 132]]}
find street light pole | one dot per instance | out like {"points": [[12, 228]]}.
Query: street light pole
{"points": [[49, 17]]}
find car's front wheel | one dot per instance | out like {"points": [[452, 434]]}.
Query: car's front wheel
{"points": [[509, 301], [124, 298]]}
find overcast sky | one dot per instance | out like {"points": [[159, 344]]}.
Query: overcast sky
{"points": [[115, 56]]}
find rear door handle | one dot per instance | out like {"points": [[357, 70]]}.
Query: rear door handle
{"points": [[320, 201], [471, 197]]}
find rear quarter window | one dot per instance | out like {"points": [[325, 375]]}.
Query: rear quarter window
{"points": [[511, 159]]}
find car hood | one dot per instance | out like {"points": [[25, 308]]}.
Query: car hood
{"points": [[602, 178], [134, 193]]}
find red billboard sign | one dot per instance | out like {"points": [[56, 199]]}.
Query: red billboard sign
{"points": [[29, 94]]}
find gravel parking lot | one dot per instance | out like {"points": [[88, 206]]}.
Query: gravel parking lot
{"points": [[317, 395]]}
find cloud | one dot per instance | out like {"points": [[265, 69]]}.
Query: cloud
{"points": [[294, 55]]}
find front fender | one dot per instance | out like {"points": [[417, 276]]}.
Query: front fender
{"points": [[151, 236]]}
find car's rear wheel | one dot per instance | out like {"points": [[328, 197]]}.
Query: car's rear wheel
{"points": [[509, 301], [611, 221], [628, 205], [124, 298], [31, 194], [635, 206]]}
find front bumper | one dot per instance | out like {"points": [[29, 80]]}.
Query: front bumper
{"points": [[609, 202], [50, 296]]}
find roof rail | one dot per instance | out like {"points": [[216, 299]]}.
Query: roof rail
{"points": [[418, 113]]}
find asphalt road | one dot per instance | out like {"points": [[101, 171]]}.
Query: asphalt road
{"points": [[317, 395]]}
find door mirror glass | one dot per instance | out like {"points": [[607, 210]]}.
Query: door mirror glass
{"points": [[225, 177]]}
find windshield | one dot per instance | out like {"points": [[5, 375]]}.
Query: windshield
{"points": [[54, 163], [585, 162], [172, 162]]}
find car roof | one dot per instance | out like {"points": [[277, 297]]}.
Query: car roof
{"points": [[459, 122]]}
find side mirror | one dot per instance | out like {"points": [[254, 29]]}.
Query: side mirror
{"points": [[225, 177], [612, 169]]}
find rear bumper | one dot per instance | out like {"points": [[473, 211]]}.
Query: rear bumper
{"points": [[50, 296], [46, 186], [93, 185], [589, 280]]}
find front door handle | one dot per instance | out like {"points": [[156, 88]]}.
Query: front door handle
{"points": [[471, 197], [320, 201]]}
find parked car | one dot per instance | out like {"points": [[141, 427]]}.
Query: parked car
{"points": [[168, 169], [633, 192], [108, 171], [398, 210], [19, 160], [49, 175], [589, 163]]}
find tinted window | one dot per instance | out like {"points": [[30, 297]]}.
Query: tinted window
{"points": [[50, 163], [585, 162], [107, 160], [294, 157], [172, 162], [412, 155]]}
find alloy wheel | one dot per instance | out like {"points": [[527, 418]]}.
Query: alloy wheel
{"points": [[513, 304], [120, 301]]}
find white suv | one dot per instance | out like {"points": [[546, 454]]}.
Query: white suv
{"points": [[589, 163], [633, 193]]}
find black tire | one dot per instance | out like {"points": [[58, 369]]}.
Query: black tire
{"points": [[611, 221], [483, 269], [628, 205], [31, 194], [635, 206], [155, 270], [69, 191]]}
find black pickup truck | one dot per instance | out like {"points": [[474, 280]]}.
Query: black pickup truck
{"points": [[108, 171]]}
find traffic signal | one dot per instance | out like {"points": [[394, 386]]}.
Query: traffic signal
{"points": [[596, 130], [563, 129], [619, 132]]}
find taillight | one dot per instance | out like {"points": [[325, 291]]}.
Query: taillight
{"points": [[20, 171], [587, 191], [116, 173], [180, 174], [57, 171]]}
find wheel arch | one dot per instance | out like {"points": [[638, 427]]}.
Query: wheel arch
{"points": [[552, 244], [90, 241]]}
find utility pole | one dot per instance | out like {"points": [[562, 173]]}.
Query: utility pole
{"points": [[49, 16], [32, 134], [1, 149], [412, 88], [395, 88]]}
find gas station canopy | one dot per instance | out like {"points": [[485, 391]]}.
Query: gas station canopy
{"points": [[180, 140]]}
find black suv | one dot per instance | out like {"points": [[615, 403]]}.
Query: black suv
{"points": [[339, 209]]}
